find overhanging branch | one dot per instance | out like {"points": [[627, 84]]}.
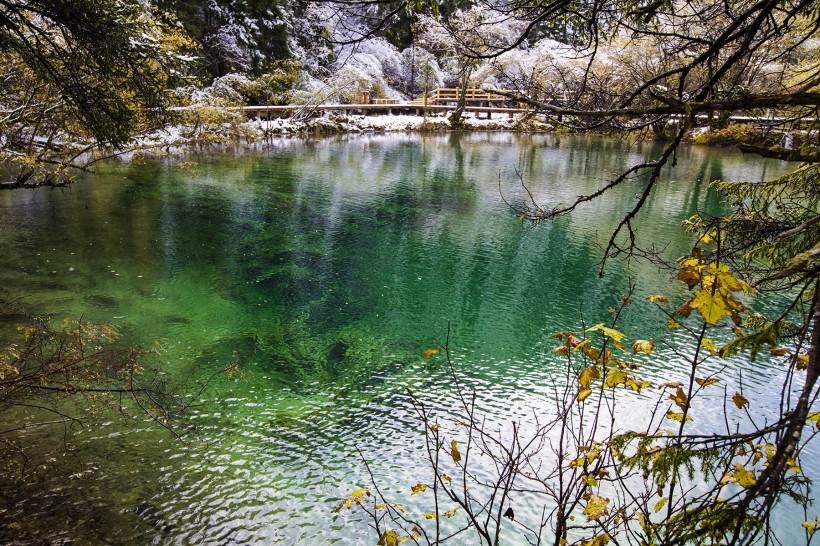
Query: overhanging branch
{"points": [[745, 102], [780, 153]]}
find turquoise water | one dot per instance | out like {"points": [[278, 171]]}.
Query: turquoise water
{"points": [[324, 267]]}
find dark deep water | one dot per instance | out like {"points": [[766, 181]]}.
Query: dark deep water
{"points": [[325, 266]]}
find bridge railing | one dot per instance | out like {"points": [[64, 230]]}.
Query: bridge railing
{"points": [[443, 95]]}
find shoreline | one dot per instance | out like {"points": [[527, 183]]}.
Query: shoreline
{"points": [[218, 127]]}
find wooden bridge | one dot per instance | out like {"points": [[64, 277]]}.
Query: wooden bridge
{"points": [[477, 101], [451, 96], [268, 112]]}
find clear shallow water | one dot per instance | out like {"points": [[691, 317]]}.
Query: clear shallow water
{"points": [[326, 267]]}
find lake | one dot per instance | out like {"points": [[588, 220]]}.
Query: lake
{"points": [[325, 267]]}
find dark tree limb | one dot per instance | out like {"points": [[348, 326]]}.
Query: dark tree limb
{"points": [[780, 153]]}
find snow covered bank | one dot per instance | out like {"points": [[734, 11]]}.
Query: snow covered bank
{"points": [[231, 129]]}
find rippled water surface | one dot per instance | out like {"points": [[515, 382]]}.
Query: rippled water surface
{"points": [[324, 267]]}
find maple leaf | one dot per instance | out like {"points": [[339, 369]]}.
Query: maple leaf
{"points": [[712, 307], [596, 507]]}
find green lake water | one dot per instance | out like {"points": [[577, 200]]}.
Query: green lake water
{"points": [[325, 267]]}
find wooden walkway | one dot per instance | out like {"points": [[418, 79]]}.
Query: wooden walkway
{"points": [[268, 112], [439, 100]]}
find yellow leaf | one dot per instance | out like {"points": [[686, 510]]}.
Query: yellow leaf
{"points": [[643, 345], [680, 399], [778, 351], [430, 352], [577, 463], [591, 352], [600, 540], [637, 385], [589, 480], [811, 526], [587, 455], [690, 272], [418, 488], [744, 477], [450, 513], [712, 307], [446, 477], [388, 538], [803, 362], [609, 332], [708, 238], [454, 451], [429, 515], [653, 298], [709, 345], [587, 375], [676, 416], [672, 324], [596, 507], [792, 465], [614, 377], [583, 394], [706, 382], [659, 505], [360, 493], [740, 400]]}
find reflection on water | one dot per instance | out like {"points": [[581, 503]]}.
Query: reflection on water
{"points": [[326, 267]]}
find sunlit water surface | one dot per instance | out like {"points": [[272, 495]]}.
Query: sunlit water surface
{"points": [[325, 267]]}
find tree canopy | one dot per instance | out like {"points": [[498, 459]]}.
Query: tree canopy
{"points": [[79, 75]]}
